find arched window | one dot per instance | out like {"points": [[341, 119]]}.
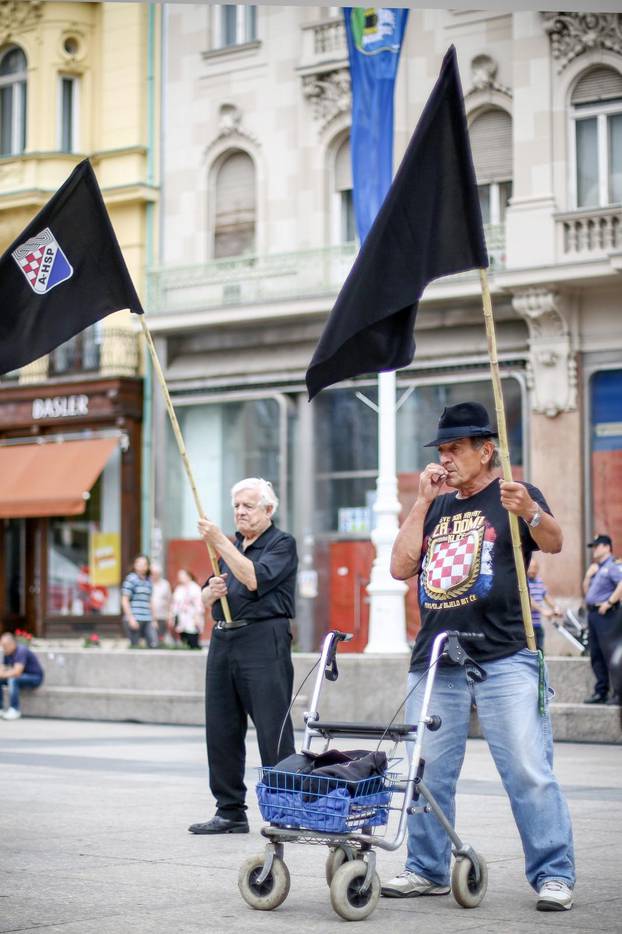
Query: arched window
{"points": [[12, 101], [491, 143], [345, 227], [235, 211], [596, 121]]}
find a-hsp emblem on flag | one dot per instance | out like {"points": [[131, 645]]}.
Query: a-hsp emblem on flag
{"points": [[43, 262]]}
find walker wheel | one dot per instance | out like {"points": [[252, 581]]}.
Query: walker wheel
{"points": [[337, 856], [345, 891], [266, 895], [467, 891]]}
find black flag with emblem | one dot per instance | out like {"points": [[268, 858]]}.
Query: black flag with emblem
{"points": [[62, 274], [429, 225]]}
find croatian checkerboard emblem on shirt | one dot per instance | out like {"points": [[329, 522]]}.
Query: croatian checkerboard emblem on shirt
{"points": [[452, 563], [43, 262]]}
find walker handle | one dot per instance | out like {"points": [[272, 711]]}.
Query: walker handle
{"points": [[331, 672]]}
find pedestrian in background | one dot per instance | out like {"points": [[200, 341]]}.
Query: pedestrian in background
{"points": [[137, 603], [187, 609], [541, 603], [249, 665], [20, 669], [602, 586], [161, 601]]}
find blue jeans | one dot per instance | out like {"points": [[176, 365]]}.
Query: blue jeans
{"points": [[14, 684], [521, 743]]}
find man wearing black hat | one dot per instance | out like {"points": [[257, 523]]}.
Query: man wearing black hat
{"points": [[459, 545], [602, 586]]}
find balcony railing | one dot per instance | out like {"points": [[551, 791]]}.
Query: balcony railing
{"points": [[323, 42], [589, 234], [245, 280]]}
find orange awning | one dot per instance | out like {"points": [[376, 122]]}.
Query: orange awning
{"points": [[51, 479]]}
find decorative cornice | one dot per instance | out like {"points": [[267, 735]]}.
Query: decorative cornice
{"points": [[230, 130], [329, 93], [552, 365], [572, 34], [16, 15], [484, 77]]}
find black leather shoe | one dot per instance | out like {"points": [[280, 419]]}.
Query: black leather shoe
{"points": [[596, 699], [220, 825]]}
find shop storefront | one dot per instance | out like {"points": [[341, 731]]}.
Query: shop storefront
{"points": [[69, 503]]}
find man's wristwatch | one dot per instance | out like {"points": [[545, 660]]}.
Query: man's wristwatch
{"points": [[536, 519]]}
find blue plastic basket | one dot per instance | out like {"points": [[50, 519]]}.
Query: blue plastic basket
{"points": [[332, 805]]}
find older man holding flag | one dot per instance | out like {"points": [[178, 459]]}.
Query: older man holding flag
{"points": [[429, 226]]}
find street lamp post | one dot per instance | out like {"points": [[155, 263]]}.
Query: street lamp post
{"points": [[387, 616]]}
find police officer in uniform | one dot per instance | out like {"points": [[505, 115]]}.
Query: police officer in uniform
{"points": [[602, 586], [249, 665]]}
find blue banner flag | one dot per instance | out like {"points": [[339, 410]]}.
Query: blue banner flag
{"points": [[374, 43]]}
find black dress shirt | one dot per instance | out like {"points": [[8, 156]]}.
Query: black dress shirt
{"points": [[275, 560]]}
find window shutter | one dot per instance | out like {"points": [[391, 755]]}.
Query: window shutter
{"points": [[599, 84], [235, 206], [491, 143], [343, 167]]}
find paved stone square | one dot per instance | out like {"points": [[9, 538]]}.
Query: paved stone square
{"points": [[93, 827]]}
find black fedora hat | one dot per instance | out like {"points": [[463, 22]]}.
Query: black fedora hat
{"points": [[465, 420], [600, 540]]}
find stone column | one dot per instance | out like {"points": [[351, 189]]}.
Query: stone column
{"points": [[530, 224], [555, 442]]}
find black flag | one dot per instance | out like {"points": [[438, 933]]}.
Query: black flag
{"points": [[63, 273], [429, 225]]}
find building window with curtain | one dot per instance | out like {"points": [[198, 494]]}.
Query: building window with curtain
{"points": [[346, 446], [226, 441], [491, 142], [235, 206], [344, 222], [13, 101], [68, 87], [596, 123], [234, 24], [79, 354]]}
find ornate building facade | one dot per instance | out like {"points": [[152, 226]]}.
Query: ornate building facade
{"points": [[258, 236], [76, 80]]}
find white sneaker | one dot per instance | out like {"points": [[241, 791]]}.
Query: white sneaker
{"points": [[11, 714], [554, 895], [408, 884]]}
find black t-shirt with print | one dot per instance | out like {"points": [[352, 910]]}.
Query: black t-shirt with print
{"points": [[467, 575]]}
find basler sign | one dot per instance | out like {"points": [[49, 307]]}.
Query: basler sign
{"points": [[60, 407]]}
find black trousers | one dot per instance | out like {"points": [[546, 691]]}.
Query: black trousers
{"points": [[249, 673], [604, 634]]}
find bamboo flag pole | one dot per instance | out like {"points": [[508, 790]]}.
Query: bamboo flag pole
{"points": [[504, 453], [182, 450]]}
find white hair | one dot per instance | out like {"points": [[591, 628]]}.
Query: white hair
{"points": [[267, 496]]}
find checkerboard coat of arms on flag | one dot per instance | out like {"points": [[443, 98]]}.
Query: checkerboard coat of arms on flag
{"points": [[43, 262], [453, 564]]}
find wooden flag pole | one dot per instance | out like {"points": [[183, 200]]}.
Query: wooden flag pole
{"points": [[504, 453], [182, 450]]}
